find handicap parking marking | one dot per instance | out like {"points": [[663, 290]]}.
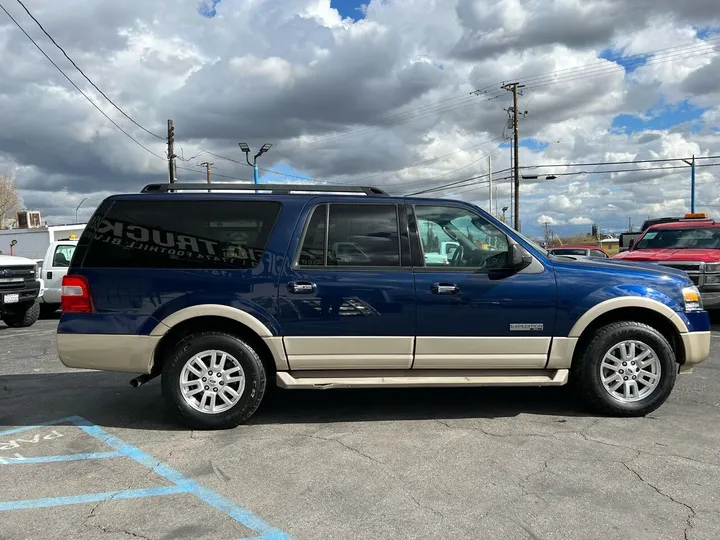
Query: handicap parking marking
{"points": [[181, 483]]}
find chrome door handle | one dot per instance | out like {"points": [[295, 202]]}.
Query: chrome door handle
{"points": [[444, 288], [301, 287]]}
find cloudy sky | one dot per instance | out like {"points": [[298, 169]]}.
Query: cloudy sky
{"points": [[378, 93]]}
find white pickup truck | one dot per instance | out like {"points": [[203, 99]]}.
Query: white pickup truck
{"points": [[20, 288], [54, 266]]}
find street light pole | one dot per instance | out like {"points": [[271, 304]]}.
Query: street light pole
{"points": [[246, 149], [78, 208], [692, 183]]}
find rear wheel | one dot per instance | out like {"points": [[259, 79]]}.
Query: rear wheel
{"points": [[213, 380], [627, 369], [22, 315]]}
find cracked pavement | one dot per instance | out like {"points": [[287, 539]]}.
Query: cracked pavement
{"points": [[401, 464]]}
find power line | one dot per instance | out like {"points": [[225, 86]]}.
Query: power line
{"points": [[78, 88], [83, 73], [537, 81], [462, 183], [429, 160]]}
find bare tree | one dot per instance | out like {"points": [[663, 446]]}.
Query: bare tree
{"points": [[9, 198]]}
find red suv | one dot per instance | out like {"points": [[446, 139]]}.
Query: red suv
{"points": [[691, 244]]}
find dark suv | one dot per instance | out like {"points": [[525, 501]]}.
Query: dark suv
{"points": [[331, 287]]}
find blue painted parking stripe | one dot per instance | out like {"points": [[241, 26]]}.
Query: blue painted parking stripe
{"points": [[35, 426], [67, 457], [239, 514], [90, 497]]}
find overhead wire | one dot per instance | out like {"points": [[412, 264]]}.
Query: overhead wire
{"points": [[78, 88], [86, 77]]}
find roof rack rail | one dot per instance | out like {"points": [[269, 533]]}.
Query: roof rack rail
{"points": [[272, 188]]}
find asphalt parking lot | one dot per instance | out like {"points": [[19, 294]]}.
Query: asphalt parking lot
{"points": [[85, 456]]}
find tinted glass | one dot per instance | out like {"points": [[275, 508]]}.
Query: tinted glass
{"points": [[705, 238], [457, 237], [598, 254], [312, 252], [363, 235], [180, 234]]}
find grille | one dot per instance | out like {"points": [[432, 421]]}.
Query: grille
{"points": [[15, 278], [685, 266]]}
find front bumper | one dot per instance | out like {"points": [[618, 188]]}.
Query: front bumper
{"points": [[27, 292], [697, 348]]}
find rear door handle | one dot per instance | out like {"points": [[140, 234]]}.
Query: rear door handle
{"points": [[301, 287], [444, 288]]}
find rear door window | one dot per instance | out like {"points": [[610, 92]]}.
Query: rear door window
{"points": [[180, 234], [352, 235], [62, 256]]}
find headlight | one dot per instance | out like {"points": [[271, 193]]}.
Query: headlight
{"points": [[693, 300], [712, 267]]}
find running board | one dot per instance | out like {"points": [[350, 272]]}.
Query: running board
{"points": [[320, 380]]}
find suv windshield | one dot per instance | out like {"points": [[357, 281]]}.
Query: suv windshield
{"points": [[699, 238]]}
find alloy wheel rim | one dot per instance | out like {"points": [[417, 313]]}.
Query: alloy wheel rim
{"points": [[630, 371], [212, 381]]}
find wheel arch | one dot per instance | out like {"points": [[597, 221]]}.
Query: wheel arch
{"points": [[233, 321], [664, 321]]}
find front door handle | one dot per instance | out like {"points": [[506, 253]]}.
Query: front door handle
{"points": [[444, 288], [301, 287], [49, 275]]}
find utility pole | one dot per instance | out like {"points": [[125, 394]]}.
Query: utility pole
{"points": [[207, 166], [692, 183], [515, 89], [171, 150], [630, 227], [490, 193]]}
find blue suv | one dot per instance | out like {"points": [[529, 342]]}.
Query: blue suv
{"points": [[221, 289]]}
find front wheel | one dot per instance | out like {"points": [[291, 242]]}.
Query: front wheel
{"points": [[627, 369], [213, 380], [22, 315]]}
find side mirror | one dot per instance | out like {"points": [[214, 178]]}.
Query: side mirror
{"points": [[519, 258]]}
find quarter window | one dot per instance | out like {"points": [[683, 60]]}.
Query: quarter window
{"points": [[180, 234], [457, 237]]}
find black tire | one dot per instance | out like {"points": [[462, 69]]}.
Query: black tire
{"points": [[46, 310], [586, 369], [255, 380], [22, 316]]}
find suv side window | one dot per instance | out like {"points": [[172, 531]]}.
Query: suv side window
{"points": [[352, 235], [597, 254], [181, 234], [479, 243]]}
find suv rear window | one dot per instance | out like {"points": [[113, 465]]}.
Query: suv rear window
{"points": [[180, 234]]}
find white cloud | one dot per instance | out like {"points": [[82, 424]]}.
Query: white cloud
{"points": [[367, 101], [542, 220]]}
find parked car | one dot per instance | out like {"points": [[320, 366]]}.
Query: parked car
{"points": [[53, 268], [691, 244], [245, 289], [20, 288], [580, 251]]}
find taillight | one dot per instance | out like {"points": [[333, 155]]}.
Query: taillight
{"points": [[75, 295]]}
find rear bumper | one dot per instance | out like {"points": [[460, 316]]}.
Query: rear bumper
{"points": [[107, 352], [697, 347]]}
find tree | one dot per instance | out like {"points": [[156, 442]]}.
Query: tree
{"points": [[9, 198]]}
